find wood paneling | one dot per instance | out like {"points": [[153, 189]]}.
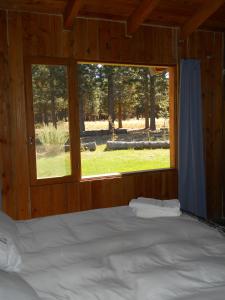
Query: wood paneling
{"points": [[207, 9], [173, 116], [208, 48], [97, 40], [5, 157], [71, 11], [54, 199], [43, 35], [99, 193], [14, 175], [140, 14], [106, 41], [19, 153], [223, 128], [169, 13]]}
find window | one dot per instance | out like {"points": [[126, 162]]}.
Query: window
{"points": [[124, 121], [124, 114], [49, 126]]}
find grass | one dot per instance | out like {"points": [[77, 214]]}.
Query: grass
{"points": [[127, 124], [53, 162], [54, 166], [103, 162]]}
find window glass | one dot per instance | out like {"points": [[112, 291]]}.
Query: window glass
{"points": [[124, 118], [51, 120]]}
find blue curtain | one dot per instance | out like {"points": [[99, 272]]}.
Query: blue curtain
{"points": [[192, 193]]}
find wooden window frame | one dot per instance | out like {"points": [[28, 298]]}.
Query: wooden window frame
{"points": [[74, 133], [74, 129], [172, 121]]}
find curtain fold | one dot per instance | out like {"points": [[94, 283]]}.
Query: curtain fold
{"points": [[192, 193]]}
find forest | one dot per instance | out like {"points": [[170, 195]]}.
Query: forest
{"points": [[105, 92]]}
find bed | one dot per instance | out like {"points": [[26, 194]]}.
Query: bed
{"points": [[110, 254]]}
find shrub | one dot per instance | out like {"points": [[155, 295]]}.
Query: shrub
{"points": [[49, 135], [53, 139]]}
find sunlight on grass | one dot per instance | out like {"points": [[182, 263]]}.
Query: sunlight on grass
{"points": [[130, 124], [103, 162], [54, 166], [123, 161]]}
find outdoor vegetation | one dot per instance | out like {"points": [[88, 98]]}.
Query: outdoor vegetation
{"points": [[116, 103]]}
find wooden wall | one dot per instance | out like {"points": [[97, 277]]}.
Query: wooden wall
{"points": [[208, 46], [43, 35]]}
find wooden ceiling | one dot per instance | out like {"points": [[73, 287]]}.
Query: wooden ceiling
{"points": [[210, 14]]}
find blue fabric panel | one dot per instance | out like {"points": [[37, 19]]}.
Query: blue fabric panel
{"points": [[192, 193]]}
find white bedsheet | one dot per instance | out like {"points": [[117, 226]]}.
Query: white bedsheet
{"points": [[109, 254]]}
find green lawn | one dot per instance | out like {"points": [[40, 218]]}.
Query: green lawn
{"points": [[102, 162]]}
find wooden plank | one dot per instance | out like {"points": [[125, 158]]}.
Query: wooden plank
{"points": [[19, 153], [205, 11], [215, 128], [73, 196], [86, 195], [168, 13], [97, 40], [207, 47], [140, 15], [71, 11], [43, 35], [110, 35], [48, 200], [80, 43], [8, 202], [86, 39], [128, 188], [74, 125], [173, 116]]}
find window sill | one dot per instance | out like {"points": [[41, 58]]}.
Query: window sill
{"points": [[122, 174]]}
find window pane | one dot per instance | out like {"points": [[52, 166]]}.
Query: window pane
{"points": [[51, 121], [124, 118]]}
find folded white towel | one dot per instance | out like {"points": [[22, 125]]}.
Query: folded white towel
{"points": [[144, 202], [153, 208]]}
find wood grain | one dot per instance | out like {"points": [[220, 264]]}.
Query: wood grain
{"points": [[208, 48], [173, 116], [5, 158], [140, 14], [37, 35], [18, 143], [100, 193], [167, 13], [71, 12], [207, 9]]}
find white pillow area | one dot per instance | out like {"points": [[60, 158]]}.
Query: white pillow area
{"points": [[10, 259], [154, 208], [13, 287], [8, 224]]}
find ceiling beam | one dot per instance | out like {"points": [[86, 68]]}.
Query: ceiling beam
{"points": [[140, 15], [207, 9], [71, 11]]}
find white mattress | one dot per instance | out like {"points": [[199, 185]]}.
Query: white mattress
{"points": [[109, 254]]}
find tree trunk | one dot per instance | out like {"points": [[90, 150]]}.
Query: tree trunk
{"points": [[81, 104], [111, 112], [45, 117], [152, 103], [120, 123], [53, 112], [81, 114], [52, 95], [146, 100]]}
